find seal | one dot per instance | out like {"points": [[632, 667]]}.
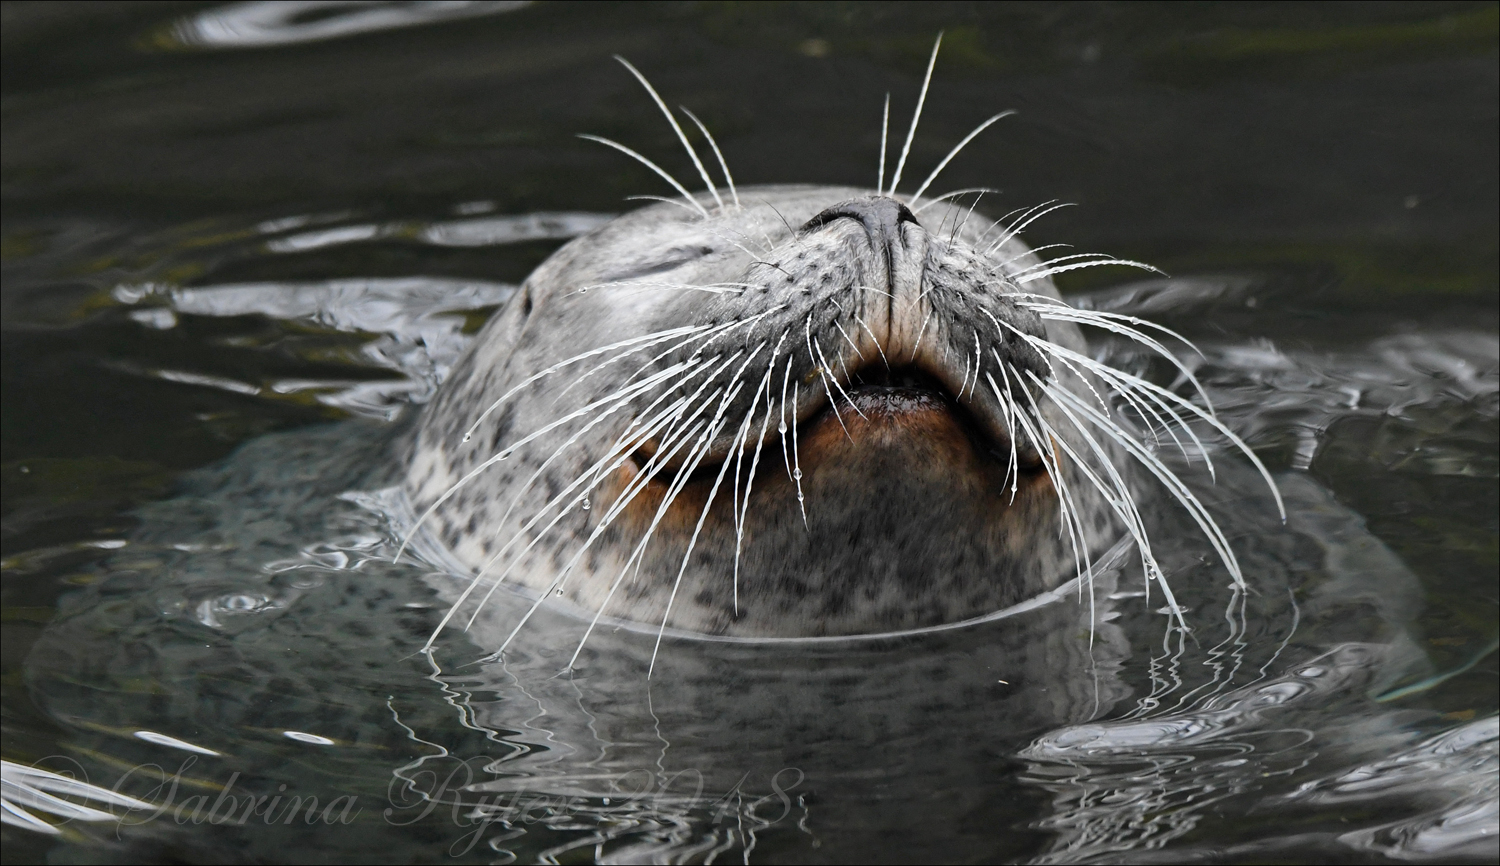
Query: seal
{"points": [[791, 411]]}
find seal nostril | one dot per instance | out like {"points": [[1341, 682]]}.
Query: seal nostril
{"points": [[881, 216]]}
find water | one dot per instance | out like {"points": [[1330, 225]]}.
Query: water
{"points": [[237, 248]]}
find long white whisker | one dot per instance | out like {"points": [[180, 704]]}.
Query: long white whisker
{"points": [[1112, 322], [619, 452], [1096, 263], [1208, 417], [651, 165], [1069, 519], [1146, 404], [686, 557], [648, 339], [700, 449], [1122, 505], [952, 153], [920, 332], [690, 208], [677, 128], [916, 116], [719, 155], [1168, 478], [954, 194], [885, 124], [1021, 225], [796, 457], [826, 370], [750, 478], [625, 394], [656, 464], [1008, 409]]}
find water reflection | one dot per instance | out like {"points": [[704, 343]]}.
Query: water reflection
{"points": [[263, 24], [273, 572]]}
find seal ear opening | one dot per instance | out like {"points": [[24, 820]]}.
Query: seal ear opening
{"points": [[525, 300]]}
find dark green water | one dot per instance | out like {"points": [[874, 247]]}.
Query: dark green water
{"points": [[1321, 182]]}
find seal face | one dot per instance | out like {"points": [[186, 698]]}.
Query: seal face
{"points": [[815, 412]]}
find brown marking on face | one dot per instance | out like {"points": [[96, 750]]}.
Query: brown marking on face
{"points": [[904, 437]]}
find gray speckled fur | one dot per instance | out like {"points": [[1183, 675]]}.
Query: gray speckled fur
{"points": [[880, 550]]}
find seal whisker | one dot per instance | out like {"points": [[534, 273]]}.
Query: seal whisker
{"points": [[760, 442], [618, 453], [683, 374], [651, 165], [1163, 395], [978, 360], [876, 340], [885, 125], [1053, 271], [1045, 347], [648, 472], [687, 554], [675, 347], [700, 449], [781, 426], [850, 340], [615, 456], [954, 152], [796, 458], [1123, 507], [648, 339], [657, 463], [1047, 445], [1175, 485], [1040, 266], [677, 128], [664, 200], [1026, 220], [917, 344], [953, 194], [994, 224], [1144, 402], [1112, 323], [824, 371], [958, 225], [915, 117], [1008, 410], [506, 452], [723, 166], [708, 337]]}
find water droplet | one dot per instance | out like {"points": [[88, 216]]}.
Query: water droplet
{"points": [[468, 436], [583, 291], [797, 474], [781, 428], [585, 505], [800, 497], [559, 590]]}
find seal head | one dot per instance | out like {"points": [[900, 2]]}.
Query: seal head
{"points": [[814, 413]]}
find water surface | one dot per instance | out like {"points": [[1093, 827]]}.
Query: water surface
{"points": [[238, 248]]}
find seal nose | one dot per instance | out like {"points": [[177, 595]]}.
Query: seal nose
{"points": [[882, 218]]}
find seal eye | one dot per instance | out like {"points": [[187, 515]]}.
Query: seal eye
{"points": [[667, 260]]}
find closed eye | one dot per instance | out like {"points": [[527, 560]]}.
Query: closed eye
{"points": [[669, 260]]}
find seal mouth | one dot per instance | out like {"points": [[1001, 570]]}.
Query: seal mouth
{"points": [[883, 406]]}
